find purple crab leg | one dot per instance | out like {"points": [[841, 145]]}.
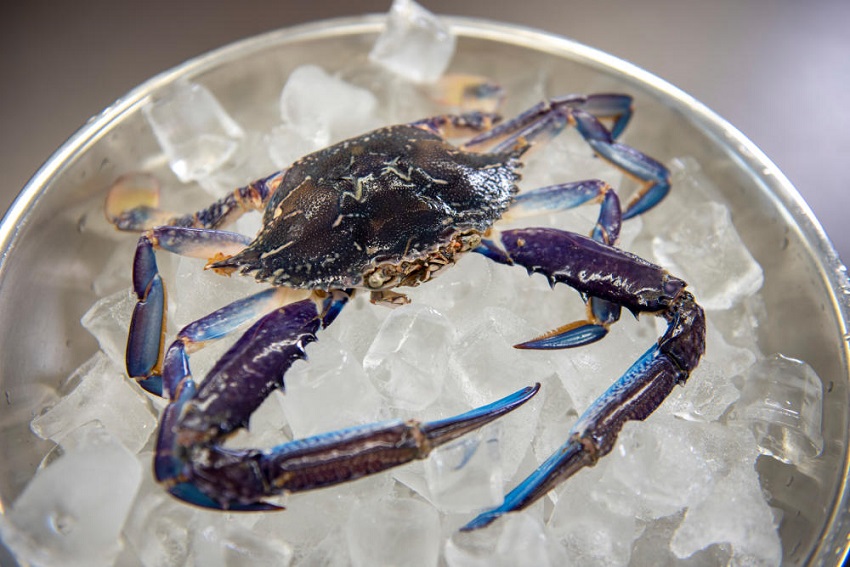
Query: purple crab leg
{"points": [[569, 195], [252, 197], [194, 466], [653, 176], [336, 457], [617, 107], [625, 279], [558, 197], [548, 118], [145, 340]]}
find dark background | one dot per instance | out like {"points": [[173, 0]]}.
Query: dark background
{"points": [[779, 70]]}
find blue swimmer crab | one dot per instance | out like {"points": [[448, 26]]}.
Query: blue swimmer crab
{"points": [[392, 208]]}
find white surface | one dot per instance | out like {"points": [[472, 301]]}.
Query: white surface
{"points": [[775, 69]]}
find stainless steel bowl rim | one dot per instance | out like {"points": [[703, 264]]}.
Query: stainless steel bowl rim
{"points": [[836, 546]]}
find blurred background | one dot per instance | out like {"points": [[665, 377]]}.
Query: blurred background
{"points": [[779, 70]]}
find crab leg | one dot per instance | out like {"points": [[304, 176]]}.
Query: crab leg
{"points": [[194, 466], [600, 313], [143, 211], [569, 195], [147, 328], [548, 118], [451, 125], [627, 280]]}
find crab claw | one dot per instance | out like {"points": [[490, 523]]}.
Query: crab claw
{"points": [[620, 279], [193, 464], [321, 460], [573, 335]]}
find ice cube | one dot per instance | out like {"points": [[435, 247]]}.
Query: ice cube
{"points": [[485, 367], [109, 320], [401, 532], [557, 414], [228, 544], [356, 326], [72, 512], [653, 547], [517, 540], [249, 161], [195, 132], [730, 508], [311, 517], [104, 395], [322, 108], [466, 474], [158, 527], [484, 361], [285, 144], [408, 359], [329, 391], [660, 464], [329, 552], [591, 532], [704, 248], [414, 44], [735, 514], [782, 401]]}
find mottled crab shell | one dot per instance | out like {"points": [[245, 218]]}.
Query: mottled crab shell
{"points": [[395, 197]]}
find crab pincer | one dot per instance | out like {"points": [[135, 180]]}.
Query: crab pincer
{"points": [[624, 279], [194, 466]]}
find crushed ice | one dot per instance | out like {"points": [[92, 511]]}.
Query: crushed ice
{"points": [[682, 485]]}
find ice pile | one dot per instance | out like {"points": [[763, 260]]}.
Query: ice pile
{"points": [[680, 488]]}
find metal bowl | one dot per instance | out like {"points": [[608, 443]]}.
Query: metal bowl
{"points": [[48, 262]]}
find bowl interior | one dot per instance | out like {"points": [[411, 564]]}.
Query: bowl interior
{"points": [[50, 257]]}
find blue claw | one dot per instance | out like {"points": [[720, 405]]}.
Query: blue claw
{"points": [[187, 492], [567, 338], [226, 479], [571, 455], [441, 431]]}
